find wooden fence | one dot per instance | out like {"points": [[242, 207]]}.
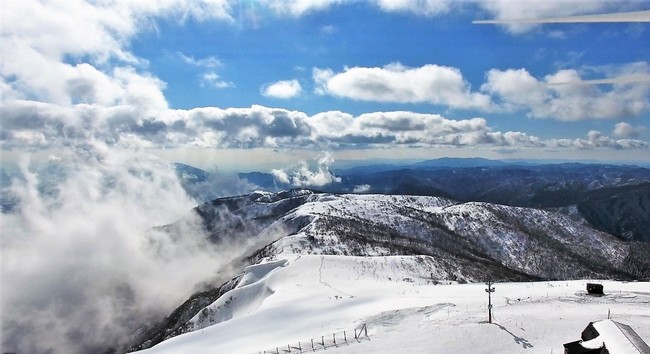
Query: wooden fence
{"points": [[335, 339]]}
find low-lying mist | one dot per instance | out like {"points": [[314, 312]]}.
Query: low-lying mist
{"points": [[82, 265]]}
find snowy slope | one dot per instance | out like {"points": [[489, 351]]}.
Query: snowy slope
{"points": [[367, 252], [311, 296], [530, 241]]}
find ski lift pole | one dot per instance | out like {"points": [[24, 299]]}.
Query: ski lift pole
{"points": [[489, 290]]}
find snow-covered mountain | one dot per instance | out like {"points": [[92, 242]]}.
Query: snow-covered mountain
{"points": [[601, 191], [386, 238], [290, 305]]}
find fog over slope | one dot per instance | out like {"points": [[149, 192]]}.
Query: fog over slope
{"points": [[82, 265]]}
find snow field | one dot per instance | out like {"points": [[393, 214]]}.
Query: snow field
{"points": [[284, 301]]}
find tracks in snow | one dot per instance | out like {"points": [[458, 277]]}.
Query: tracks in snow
{"points": [[320, 278]]}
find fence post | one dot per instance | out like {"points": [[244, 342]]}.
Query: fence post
{"points": [[322, 338], [312, 345], [299, 347], [334, 336], [345, 337], [365, 329], [288, 349], [277, 351]]}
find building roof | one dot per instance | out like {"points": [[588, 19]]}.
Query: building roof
{"points": [[618, 338]]}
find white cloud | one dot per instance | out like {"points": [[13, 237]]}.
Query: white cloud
{"points": [[302, 176], [519, 90], [282, 89], [625, 130], [84, 48], [397, 83], [596, 140], [82, 267], [213, 79], [54, 126], [328, 29], [505, 13], [300, 7], [362, 188], [419, 7], [210, 62], [208, 78], [504, 10]]}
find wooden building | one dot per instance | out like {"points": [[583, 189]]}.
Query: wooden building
{"points": [[593, 288], [608, 337]]}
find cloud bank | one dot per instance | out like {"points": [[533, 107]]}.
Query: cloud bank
{"points": [[52, 126], [82, 267]]}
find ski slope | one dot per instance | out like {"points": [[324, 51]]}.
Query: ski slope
{"points": [[405, 306]]}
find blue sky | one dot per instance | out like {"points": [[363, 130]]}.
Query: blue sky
{"points": [[264, 83]]}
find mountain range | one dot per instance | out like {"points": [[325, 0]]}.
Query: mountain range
{"points": [[440, 240], [611, 198]]}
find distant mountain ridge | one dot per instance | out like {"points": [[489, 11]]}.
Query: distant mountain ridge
{"points": [[524, 185]]}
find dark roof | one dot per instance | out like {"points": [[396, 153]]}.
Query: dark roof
{"points": [[608, 336], [633, 337]]}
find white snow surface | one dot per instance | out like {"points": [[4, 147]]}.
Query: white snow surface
{"points": [[611, 337], [298, 297]]}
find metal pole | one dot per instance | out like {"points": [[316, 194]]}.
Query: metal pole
{"points": [[489, 290]]}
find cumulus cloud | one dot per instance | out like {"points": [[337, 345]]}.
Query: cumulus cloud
{"points": [[413, 129], [555, 97], [397, 83], [74, 41], [282, 89], [625, 130], [52, 126], [303, 176]]}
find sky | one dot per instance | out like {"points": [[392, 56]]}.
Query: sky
{"points": [[246, 84]]}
